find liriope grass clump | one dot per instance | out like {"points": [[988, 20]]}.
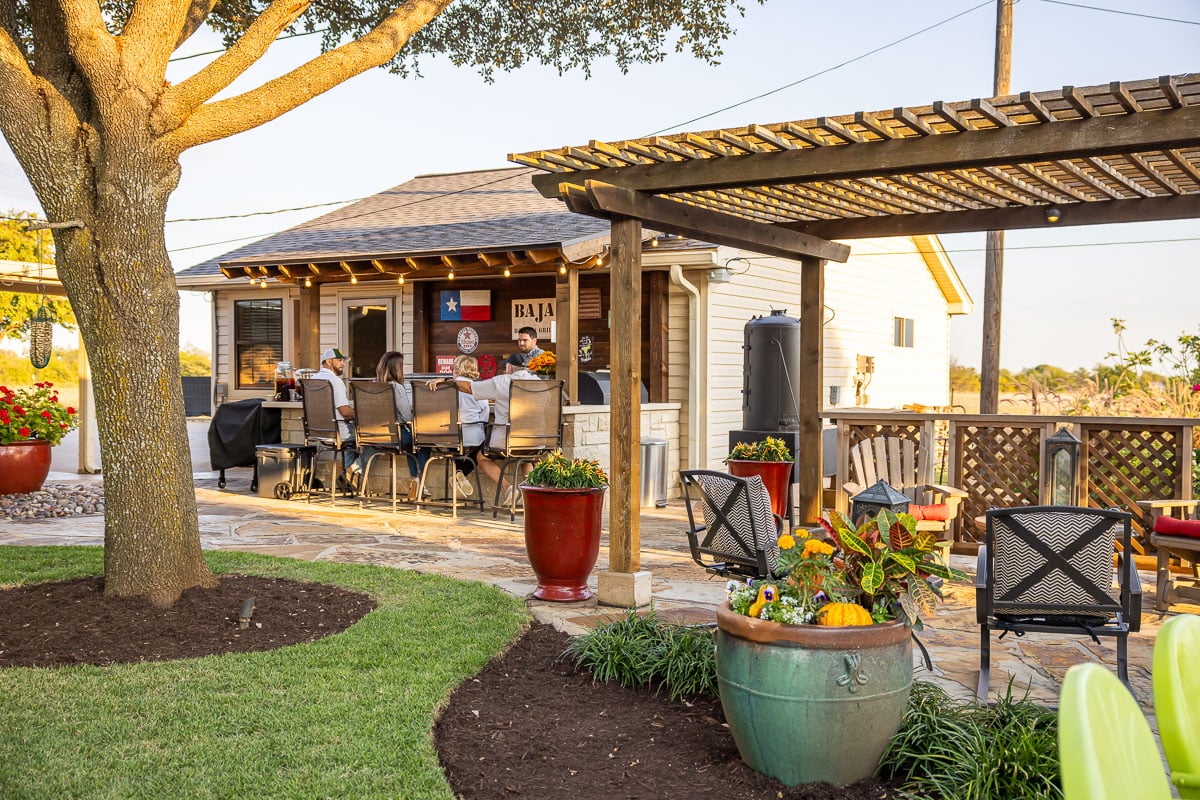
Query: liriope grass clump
{"points": [[645, 651], [953, 749]]}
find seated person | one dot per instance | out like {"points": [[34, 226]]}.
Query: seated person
{"points": [[391, 370], [333, 364], [473, 415]]}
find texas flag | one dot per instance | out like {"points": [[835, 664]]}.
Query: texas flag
{"points": [[473, 304]]}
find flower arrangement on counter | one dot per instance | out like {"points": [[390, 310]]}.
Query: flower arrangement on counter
{"points": [[544, 363]]}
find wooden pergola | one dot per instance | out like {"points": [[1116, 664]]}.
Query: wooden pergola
{"points": [[1121, 152]]}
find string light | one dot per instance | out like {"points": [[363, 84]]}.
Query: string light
{"points": [[654, 242], [450, 275], [307, 283], [562, 269], [353, 278], [507, 272], [400, 280]]}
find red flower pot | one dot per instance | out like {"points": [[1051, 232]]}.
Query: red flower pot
{"points": [[775, 476], [562, 538], [24, 466]]}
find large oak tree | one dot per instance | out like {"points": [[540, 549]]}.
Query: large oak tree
{"points": [[88, 112]]}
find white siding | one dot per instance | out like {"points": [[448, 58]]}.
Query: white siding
{"points": [[678, 367], [223, 349]]}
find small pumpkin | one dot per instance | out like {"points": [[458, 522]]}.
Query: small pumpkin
{"points": [[844, 615]]}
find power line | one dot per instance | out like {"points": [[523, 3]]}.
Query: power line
{"points": [[1126, 13]]}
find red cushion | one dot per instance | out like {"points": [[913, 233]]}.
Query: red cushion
{"points": [[935, 512], [1169, 526]]}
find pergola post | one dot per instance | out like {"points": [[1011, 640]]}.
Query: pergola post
{"points": [[308, 327], [567, 317], [624, 584], [808, 459]]}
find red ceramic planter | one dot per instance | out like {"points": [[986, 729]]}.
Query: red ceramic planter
{"points": [[562, 538], [24, 466], [774, 474]]}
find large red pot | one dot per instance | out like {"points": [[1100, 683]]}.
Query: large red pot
{"points": [[775, 476], [562, 538], [24, 466]]}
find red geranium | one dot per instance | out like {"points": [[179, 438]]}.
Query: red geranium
{"points": [[34, 414]]}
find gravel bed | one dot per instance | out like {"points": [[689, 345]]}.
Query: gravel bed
{"points": [[53, 500]]}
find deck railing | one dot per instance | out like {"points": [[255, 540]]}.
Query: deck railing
{"points": [[998, 459]]}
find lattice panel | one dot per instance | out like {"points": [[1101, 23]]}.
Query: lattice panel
{"points": [[999, 469], [1124, 466]]}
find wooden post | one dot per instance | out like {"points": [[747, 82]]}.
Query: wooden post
{"points": [[625, 429], [808, 394], [993, 264], [308, 327], [567, 346]]}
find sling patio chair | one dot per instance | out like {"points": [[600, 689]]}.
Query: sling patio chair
{"points": [[376, 430], [1049, 569], [321, 430], [1105, 747], [739, 535], [436, 426], [534, 428], [1176, 676]]}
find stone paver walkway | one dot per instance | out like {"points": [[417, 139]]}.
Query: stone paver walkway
{"points": [[478, 548]]}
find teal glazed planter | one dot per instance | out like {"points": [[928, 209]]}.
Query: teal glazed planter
{"points": [[807, 703], [24, 466], [775, 475], [562, 539]]}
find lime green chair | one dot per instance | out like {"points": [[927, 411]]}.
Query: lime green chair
{"points": [[1105, 746], [1177, 700]]}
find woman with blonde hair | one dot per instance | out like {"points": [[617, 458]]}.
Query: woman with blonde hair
{"points": [[472, 416]]}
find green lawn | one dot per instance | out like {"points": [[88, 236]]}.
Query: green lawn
{"points": [[348, 716]]}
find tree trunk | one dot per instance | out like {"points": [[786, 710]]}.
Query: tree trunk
{"points": [[119, 278]]}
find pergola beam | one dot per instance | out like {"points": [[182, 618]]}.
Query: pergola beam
{"points": [[1146, 209], [672, 217], [1109, 134]]}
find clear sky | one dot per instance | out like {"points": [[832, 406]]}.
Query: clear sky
{"points": [[1061, 287]]}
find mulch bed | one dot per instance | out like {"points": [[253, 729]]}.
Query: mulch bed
{"points": [[529, 725]]}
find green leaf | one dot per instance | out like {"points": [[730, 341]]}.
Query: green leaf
{"points": [[872, 577], [906, 562], [923, 596], [851, 541], [909, 607]]}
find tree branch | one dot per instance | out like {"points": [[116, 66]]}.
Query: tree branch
{"points": [[18, 89], [196, 15], [273, 99], [145, 39], [94, 49], [179, 101]]}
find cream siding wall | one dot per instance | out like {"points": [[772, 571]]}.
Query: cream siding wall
{"points": [[678, 366], [333, 333], [223, 341]]}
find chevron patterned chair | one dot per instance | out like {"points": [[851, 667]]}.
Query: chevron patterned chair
{"points": [[739, 534], [1049, 569]]}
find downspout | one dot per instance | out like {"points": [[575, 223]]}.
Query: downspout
{"points": [[697, 370]]}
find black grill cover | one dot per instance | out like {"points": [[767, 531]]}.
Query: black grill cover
{"points": [[237, 428]]}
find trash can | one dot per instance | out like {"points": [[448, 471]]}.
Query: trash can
{"points": [[283, 469], [654, 472]]}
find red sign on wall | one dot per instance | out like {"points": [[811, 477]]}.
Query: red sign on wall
{"points": [[443, 365], [487, 366]]}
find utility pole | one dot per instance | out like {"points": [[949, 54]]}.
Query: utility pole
{"points": [[993, 264]]}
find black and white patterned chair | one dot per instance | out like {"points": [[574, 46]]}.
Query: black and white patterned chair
{"points": [[1050, 569], [739, 534]]}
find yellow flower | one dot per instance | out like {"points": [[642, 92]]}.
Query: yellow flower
{"points": [[787, 542], [815, 547]]}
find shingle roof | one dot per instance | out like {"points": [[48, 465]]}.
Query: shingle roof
{"points": [[445, 214]]}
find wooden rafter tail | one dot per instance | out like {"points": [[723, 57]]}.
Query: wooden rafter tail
{"points": [[286, 272], [495, 259]]}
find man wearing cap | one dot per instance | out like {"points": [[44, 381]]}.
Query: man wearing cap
{"points": [[333, 364]]}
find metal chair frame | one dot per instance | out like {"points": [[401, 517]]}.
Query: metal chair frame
{"points": [[377, 428], [321, 431], [436, 426], [721, 544], [534, 428], [1013, 587]]}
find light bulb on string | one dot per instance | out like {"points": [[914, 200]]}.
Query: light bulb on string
{"points": [[308, 283], [562, 269], [400, 280], [353, 278], [507, 272], [450, 275]]}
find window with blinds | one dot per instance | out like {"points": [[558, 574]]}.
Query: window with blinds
{"points": [[258, 341]]}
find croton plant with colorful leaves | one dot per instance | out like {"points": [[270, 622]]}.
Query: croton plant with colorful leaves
{"points": [[884, 569]]}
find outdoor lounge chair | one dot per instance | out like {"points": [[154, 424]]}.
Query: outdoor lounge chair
{"points": [[534, 428], [436, 426], [895, 460], [1050, 569], [321, 431], [739, 534], [1105, 746], [1176, 676], [376, 427], [1175, 532]]}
